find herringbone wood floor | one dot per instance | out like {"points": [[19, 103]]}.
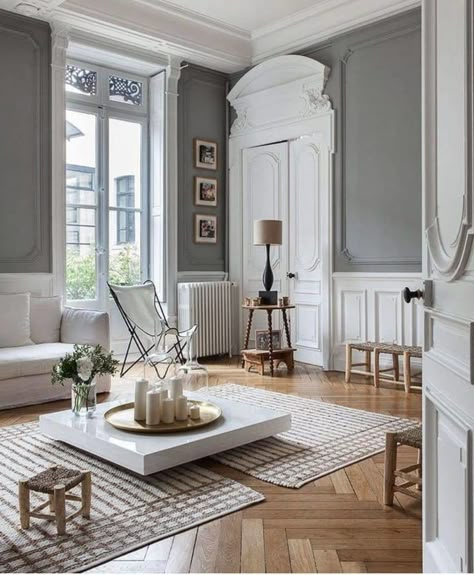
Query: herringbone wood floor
{"points": [[335, 524]]}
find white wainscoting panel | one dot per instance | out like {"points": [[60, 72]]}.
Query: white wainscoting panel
{"points": [[36, 284], [370, 306]]}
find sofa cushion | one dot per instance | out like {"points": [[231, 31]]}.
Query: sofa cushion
{"points": [[45, 319], [15, 320], [31, 359]]}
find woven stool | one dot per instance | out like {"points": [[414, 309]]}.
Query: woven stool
{"points": [[413, 438], [367, 347], [55, 482], [395, 350]]}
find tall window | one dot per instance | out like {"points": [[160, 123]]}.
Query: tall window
{"points": [[106, 181]]}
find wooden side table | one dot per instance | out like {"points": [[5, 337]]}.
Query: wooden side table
{"points": [[255, 356]]}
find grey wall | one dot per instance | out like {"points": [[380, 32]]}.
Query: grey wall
{"points": [[375, 88], [202, 114], [25, 145]]}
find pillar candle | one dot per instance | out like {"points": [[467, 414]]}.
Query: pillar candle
{"points": [[163, 394], [167, 410], [181, 407], [176, 387], [195, 412], [153, 400], [141, 388]]}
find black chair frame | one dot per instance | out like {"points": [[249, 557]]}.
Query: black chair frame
{"points": [[143, 350]]}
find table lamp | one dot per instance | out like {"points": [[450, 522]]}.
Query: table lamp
{"points": [[267, 233]]}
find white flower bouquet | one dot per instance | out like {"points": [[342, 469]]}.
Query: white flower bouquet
{"points": [[82, 366]]}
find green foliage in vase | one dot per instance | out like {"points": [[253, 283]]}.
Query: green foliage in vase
{"points": [[83, 364]]}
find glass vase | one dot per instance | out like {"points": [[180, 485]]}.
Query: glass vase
{"points": [[195, 375], [83, 399]]}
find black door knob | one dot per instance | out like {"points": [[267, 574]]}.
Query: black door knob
{"points": [[290, 275], [409, 294]]}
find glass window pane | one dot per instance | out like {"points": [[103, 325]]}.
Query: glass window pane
{"points": [[125, 90], [81, 190], [80, 80], [124, 247], [125, 152], [81, 277]]}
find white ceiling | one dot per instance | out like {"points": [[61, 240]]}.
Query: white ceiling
{"points": [[225, 35], [249, 15]]}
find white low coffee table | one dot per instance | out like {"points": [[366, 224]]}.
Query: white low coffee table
{"points": [[240, 423]]}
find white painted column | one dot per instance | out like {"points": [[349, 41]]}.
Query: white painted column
{"points": [[173, 72], [58, 179]]}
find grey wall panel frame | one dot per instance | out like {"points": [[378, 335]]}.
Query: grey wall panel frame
{"points": [[375, 86], [202, 114], [25, 145]]}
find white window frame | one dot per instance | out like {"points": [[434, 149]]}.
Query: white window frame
{"points": [[106, 109]]}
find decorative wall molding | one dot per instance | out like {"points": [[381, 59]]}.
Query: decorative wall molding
{"points": [[58, 181], [370, 306], [345, 250], [261, 102], [37, 284], [26, 194], [202, 276]]}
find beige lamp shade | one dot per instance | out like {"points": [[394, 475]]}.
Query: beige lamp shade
{"points": [[267, 232]]}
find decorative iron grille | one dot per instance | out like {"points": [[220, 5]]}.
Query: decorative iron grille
{"points": [[123, 89], [81, 79]]}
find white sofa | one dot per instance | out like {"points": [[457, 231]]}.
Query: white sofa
{"points": [[35, 332]]}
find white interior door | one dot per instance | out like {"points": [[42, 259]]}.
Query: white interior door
{"points": [[265, 177], [308, 224], [449, 272]]}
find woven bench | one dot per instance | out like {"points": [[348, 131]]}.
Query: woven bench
{"points": [[55, 482], [367, 347], [411, 474], [396, 350]]}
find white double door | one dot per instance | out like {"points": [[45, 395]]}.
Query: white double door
{"points": [[289, 181]]}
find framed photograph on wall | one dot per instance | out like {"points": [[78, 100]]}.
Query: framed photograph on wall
{"points": [[262, 341], [205, 154], [205, 191], [205, 229]]}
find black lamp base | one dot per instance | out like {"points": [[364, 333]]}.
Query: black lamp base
{"points": [[268, 297]]}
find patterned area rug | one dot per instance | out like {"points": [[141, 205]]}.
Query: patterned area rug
{"points": [[323, 438], [128, 511]]}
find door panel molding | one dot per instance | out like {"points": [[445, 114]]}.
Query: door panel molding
{"points": [[448, 85]]}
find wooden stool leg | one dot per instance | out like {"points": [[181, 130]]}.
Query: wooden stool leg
{"points": [[418, 487], [368, 365], [24, 500], [407, 371], [86, 494], [390, 466], [376, 368], [396, 367], [348, 362], [60, 508]]}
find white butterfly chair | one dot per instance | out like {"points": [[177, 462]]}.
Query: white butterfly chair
{"points": [[144, 317]]}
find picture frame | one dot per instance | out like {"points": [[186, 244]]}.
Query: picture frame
{"points": [[261, 339], [205, 229], [205, 154], [205, 191]]}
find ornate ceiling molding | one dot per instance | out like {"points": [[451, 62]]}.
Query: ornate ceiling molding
{"points": [[165, 29]]}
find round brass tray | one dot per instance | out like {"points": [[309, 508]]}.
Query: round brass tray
{"points": [[122, 417]]}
